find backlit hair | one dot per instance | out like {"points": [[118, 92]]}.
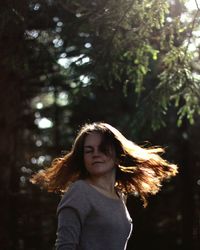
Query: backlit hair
{"points": [[140, 170]]}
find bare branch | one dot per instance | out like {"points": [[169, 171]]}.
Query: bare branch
{"points": [[197, 5]]}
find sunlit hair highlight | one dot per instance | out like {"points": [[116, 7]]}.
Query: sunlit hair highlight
{"points": [[140, 170]]}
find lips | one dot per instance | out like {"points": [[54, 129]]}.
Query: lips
{"points": [[96, 162]]}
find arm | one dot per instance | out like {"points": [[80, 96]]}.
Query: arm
{"points": [[72, 211], [69, 228]]}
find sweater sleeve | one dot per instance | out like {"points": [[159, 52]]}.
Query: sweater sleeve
{"points": [[72, 212]]}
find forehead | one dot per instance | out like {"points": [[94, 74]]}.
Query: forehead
{"points": [[93, 139]]}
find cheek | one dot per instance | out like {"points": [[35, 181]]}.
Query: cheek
{"points": [[86, 159], [112, 163], [85, 163]]}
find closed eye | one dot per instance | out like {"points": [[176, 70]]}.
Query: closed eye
{"points": [[88, 149]]}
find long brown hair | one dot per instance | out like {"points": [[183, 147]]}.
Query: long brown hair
{"points": [[140, 170]]}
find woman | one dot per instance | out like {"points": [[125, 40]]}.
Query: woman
{"points": [[102, 168]]}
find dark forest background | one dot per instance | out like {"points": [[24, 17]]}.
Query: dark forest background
{"points": [[131, 63]]}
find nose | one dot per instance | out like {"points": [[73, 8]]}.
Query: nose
{"points": [[96, 152]]}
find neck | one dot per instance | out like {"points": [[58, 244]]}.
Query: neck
{"points": [[103, 182]]}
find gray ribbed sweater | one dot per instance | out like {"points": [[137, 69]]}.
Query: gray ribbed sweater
{"points": [[89, 220]]}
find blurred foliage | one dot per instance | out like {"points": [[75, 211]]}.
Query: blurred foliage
{"points": [[106, 42], [130, 40]]}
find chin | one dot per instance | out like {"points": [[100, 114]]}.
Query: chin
{"points": [[99, 173]]}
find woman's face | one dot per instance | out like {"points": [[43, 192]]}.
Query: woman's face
{"points": [[96, 162]]}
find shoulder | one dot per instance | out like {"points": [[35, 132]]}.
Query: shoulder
{"points": [[75, 189], [74, 196], [79, 184]]}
